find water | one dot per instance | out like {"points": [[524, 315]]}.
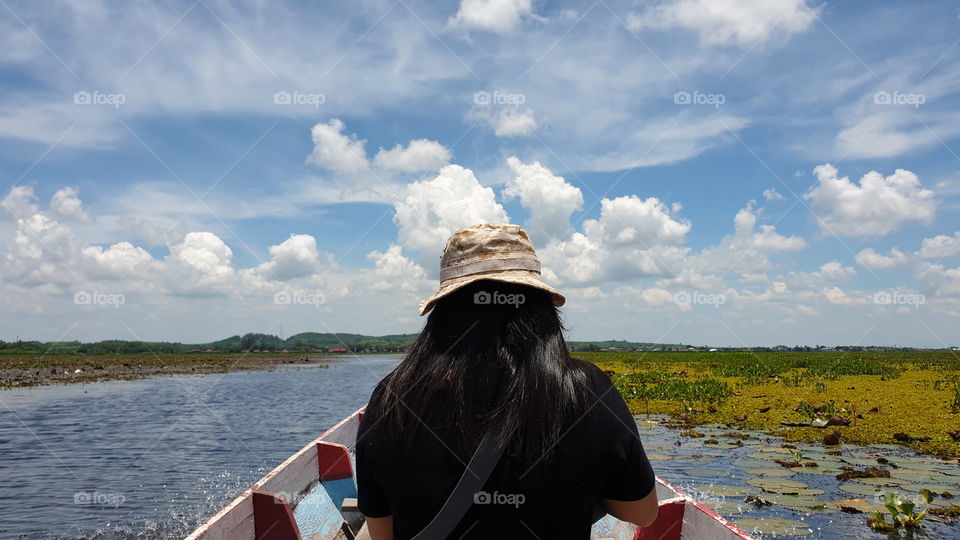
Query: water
{"points": [[155, 458]]}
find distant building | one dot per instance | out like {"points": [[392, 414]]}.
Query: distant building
{"points": [[208, 350], [336, 349]]}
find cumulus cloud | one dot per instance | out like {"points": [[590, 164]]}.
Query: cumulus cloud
{"points": [[500, 16], [295, 257], [871, 259], [431, 210], [875, 206], [120, 260], [940, 246], [66, 204], [766, 238], [19, 202], [205, 254], [419, 155], [834, 271], [772, 195], [335, 151], [728, 22], [633, 238], [549, 198]]}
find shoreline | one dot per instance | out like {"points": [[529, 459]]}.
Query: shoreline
{"points": [[26, 371]]}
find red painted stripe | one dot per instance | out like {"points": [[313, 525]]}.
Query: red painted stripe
{"points": [[334, 461], [668, 524], [272, 518]]}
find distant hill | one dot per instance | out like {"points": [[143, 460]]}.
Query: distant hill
{"points": [[326, 342]]}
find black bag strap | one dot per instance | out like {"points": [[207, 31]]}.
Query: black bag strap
{"points": [[470, 483]]}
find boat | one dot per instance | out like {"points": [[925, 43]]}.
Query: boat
{"points": [[312, 496]]}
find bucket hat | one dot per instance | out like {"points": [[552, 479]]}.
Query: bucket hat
{"points": [[493, 251]]}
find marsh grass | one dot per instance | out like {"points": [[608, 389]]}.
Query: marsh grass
{"points": [[917, 393]]}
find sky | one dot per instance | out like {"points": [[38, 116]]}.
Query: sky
{"points": [[715, 172]]}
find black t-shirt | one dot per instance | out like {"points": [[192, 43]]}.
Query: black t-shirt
{"points": [[598, 456]]}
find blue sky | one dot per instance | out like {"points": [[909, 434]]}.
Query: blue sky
{"points": [[723, 172]]}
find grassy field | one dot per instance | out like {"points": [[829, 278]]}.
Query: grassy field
{"points": [[909, 398]]}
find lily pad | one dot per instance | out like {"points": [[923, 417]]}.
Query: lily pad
{"points": [[726, 507], [775, 526], [777, 485], [799, 503], [854, 506], [916, 476], [657, 457], [728, 491], [704, 472], [868, 490], [780, 473], [937, 489], [751, 463], [881, 481]]}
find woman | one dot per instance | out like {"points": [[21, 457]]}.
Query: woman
{"points": [[491, 359]]}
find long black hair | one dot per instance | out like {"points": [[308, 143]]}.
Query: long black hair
{"points": [[491, 356]]}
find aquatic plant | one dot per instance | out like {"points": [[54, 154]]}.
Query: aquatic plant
{"points": [[955, 402], [902, 512]]}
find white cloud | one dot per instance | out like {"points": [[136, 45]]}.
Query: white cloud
{"points": [[295, 257], [431, 210], [875, 206], [834, 271], [67, 205], [839, 297], [121, 260], [766, 239], [206, 256], [506, 121], [513, 123], [335, 151], [633, 238], [940, 246], [19, 202], [871, 259], [500, 16], [729, 22], [772, 195], [549, 198], [419, 155]]}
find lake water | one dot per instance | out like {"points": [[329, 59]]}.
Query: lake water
{"points": [[156, 457]]}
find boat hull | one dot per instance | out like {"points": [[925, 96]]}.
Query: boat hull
{"points": [[312, 496]]}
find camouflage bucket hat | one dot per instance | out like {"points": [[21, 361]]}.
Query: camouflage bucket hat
{"points": [[494, 251]]}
